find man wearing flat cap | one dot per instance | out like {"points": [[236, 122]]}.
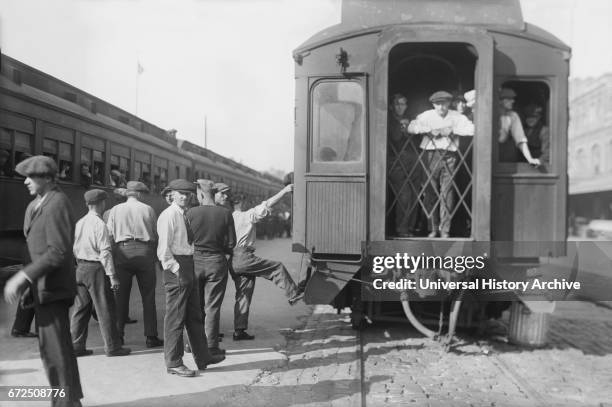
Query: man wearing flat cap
{"points": [[132, 227], [49, 280], [183, 307], [440, 127], [512, 137], [96, 279], [247, 266], [222, 194], [214, 238]]}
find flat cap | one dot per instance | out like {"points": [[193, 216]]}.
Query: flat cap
{"points": [[533, 110], [181, 185], [137, 186], [94, 196], [470, 98], [206, 185], [221, 187], [507, 93], [120, 192], [165, 191], [440, 96], [37, 165]]}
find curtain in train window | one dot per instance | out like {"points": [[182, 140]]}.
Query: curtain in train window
{"points": [[338, 122]]}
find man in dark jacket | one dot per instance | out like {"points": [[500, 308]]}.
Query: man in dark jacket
{"points": [[49, 280]]}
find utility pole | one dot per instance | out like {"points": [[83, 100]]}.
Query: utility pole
{"points": [[205, 133]]}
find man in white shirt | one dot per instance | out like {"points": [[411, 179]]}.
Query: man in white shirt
{"points": [[96, 279], [511, 132], [132, 227], [440, 127], [175, 252], [246, 266]]}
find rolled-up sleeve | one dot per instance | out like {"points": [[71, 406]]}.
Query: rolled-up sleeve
{"points": [[259, 212], [463, 126], [106, 252], [165, 234], [516, 128]]}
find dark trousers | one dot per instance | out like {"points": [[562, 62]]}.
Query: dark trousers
{"points": [[246, 267], [135, 258], [56, 351], [183, 310], [23, 319], [93, 290], [245, 286], [440, 196], [211, 273]]}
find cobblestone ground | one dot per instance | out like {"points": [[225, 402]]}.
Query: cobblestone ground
{"points": [[323, 366], [575, 369]]}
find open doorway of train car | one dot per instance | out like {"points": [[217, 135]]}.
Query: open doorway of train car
{"points": [[422, 189]]}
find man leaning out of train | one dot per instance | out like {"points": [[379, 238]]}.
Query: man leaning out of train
{"points": [[96, 279], [183, 308]]}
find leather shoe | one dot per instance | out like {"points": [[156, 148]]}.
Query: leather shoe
{"points": [[21, 334], [130, 320], [154, 342], [181, 371], [82, 352], [242, 336], [214, 359], [216, 351], [119, 352]]}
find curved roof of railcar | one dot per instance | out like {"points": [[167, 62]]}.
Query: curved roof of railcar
{"points": [[361, 17]]}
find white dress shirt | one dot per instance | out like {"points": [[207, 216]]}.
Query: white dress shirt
{"points": [[244, 222], [92, 242], [173, 239], [510, 124], [132, 220], [454, 123]]}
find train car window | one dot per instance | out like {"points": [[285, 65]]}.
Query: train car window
{"points": [[120, 172], [337, 122], [6, 169], [524, 121]]}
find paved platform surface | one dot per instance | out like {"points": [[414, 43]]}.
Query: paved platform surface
{"points": [[140, 380]]}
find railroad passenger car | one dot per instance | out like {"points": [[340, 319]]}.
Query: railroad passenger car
{"points": [[96, 145], [346, 76]]}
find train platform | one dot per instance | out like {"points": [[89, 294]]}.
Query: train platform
{"points": [[329, 364]]}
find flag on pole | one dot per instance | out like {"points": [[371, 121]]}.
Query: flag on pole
{"points": [[140, 68]]}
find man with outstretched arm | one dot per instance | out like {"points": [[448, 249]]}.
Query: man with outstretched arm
{"points": [[246, 266]]}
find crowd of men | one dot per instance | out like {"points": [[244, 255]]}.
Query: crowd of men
{"points": [[201, 238], [424, 154]]}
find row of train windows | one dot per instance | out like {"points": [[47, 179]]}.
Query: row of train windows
{"points": [[16, 146], [338, 122]]}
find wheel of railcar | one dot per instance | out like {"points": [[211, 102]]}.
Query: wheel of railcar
{"points": [[414, 320]]}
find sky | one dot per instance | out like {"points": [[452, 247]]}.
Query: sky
{"points": [[224, 61]]}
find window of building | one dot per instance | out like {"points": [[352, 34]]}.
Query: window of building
{"points": [[596, 158]]}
